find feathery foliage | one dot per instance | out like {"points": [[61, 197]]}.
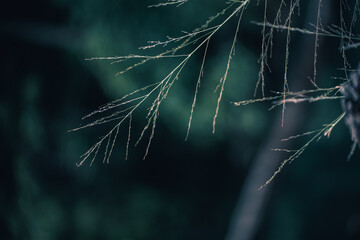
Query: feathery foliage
{"points": [[185, 46]]}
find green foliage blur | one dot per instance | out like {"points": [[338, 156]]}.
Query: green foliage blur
{"points": [[184, 189]]}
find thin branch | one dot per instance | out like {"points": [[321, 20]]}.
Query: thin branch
{"points": [[242, 6], [201, 73]]}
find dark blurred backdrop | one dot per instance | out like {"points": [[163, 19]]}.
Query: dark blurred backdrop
{"points": [[184, 189]]}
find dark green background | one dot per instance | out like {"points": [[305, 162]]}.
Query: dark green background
{"points": [[184, 189]]}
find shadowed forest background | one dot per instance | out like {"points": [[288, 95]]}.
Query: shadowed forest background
{"points": [[183, 189]]}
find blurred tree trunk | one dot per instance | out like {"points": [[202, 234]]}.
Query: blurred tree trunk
{"points": [[251, 205]]}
